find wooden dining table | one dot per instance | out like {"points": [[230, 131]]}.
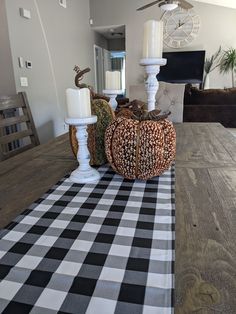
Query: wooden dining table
{"points": [[205, 267]]}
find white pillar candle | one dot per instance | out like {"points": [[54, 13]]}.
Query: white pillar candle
{"points": [[78, 103], [153, 39], [112, 80]]}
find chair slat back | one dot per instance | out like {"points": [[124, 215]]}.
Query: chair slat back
{"points": [[17, 128]]}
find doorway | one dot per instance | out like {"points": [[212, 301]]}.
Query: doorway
{"points": [[109, 55]]}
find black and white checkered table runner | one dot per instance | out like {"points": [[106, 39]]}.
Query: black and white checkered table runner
{"points": [[96, 249]]}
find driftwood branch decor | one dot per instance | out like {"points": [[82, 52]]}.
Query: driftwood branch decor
{"points": [[154, 115], [136, 110]]}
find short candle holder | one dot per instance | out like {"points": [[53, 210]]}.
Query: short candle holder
{"points": [[152, 68], [112, 93], [84, 173]]}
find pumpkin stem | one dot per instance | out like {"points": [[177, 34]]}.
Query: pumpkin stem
{"points": [[80, 75]]}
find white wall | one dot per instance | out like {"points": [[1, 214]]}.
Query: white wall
{"points": [[55, 40], [218, 28], [7, 81], [225, 3], [117, 44], [100, 40]]}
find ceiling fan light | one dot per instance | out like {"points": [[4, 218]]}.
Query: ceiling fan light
{"points": [[169, 6]]}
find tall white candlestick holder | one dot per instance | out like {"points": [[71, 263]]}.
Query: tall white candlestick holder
{"points": [[112, 93], [152, 68], [84, 173]]}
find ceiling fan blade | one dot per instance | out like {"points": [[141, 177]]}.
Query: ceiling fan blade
{"points": [[185, 5], [149, 5]]}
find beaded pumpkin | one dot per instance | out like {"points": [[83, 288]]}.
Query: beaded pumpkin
{"points": [[96, 132], [140, 149]]}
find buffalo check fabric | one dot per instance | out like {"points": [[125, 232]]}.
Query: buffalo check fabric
{"points": [[92, 248]]}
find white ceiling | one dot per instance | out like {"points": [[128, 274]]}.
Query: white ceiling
{"points": [[111, 32], [223, 3]]}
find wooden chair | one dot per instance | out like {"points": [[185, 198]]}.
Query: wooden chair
{"points": [[17, 129]]}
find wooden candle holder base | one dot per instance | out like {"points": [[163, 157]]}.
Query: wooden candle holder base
{"points": [[112, 93], [152, 68], [84, 173]]}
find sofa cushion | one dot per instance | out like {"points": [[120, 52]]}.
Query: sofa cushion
{"points": [[194, 96], [169, 97], [224, 114]]}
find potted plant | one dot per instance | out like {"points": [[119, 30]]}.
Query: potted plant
{"points": [[228, 63], [210, 65]]}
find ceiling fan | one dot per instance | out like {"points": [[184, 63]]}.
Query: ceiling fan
{"points": [[168, 5]]}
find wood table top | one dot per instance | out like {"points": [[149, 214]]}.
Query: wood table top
{"points": [[205, 267]]}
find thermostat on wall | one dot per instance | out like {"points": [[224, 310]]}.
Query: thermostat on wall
{"points": [[63, 3], [28, 64]]}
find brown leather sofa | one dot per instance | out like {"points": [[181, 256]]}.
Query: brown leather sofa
{"points": [[211, 105]]}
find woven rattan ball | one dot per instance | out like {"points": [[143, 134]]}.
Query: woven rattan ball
{"points": [[140, 149], [96, 132]]}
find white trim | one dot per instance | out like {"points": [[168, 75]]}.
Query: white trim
{"points": [[95, 66]]}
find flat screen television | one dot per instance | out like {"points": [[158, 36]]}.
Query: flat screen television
{"points": [[183, 67]]}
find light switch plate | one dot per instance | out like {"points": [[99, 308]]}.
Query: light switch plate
{"points": [[63, 3], [21, 62], [25, 13], [24, 81]]}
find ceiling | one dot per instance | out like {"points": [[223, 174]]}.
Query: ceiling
{"points": [[111, 32], [118, 31], [223, 3]]}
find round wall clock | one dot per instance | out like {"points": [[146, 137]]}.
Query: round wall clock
{"points": [[180, 27]]}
